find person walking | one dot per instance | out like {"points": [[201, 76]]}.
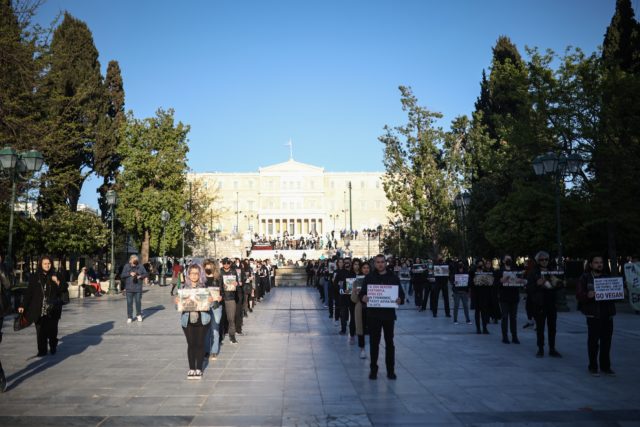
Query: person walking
{"points": [[343, 301], [133, 275], [543, 286], [212, 280], [229, 278], [381, 319], [441, 285], [509, 296], [195, 324], [599, 316], [42, 305]]}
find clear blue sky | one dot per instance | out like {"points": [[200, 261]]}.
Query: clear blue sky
{"points": [[249, 75]]}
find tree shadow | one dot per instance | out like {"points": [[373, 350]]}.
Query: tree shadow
{"points": [[72, 344]]}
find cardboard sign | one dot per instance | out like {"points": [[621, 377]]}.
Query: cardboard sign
{"points": [[441, 270], [512, 279], [632, 274], [461, 280], [608, 288], [194, 299], [382, 296]]}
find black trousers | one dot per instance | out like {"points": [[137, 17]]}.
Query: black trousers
{"points": [[426, 293], [435, 296], [239, 310], [548, 315], [344, 313], [352, 318], [509, 315], [376, 327], [599, 342], [309, 279], [418, 290], [195, 334], [230, 310], [47, 332]]}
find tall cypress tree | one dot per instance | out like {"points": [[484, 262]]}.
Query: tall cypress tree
{"points": [[75, 102], [106, 159]]}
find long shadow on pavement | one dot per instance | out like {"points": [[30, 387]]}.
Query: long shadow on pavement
{"points": [[78, 343]]}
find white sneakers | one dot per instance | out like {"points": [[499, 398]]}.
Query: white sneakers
{"points": [[194, 375], [363, 354], [129, 320], [139, 318]]}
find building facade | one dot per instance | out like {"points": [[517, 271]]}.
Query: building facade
{"points": [[294, 197]]}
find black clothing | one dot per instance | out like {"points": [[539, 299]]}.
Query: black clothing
{"points": [[343, 301], [480, 299], [195, 334], [227, 294], [375, 278], [509, 298], [41, 293], [544, 307]]}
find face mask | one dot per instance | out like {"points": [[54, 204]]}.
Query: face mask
{"points": [[208, 271]]}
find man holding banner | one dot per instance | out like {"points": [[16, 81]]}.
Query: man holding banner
{"points": [[596, 294], [382, 293]]}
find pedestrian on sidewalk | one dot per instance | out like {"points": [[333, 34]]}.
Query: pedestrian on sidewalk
{"points": [[359, 312], [460, 293], [42, 305], [195, 324], [133, 275], [599, 316], [381, 319]]}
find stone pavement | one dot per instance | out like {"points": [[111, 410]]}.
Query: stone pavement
{"points": [[292, 368]]}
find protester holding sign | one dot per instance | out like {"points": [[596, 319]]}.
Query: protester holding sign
{"points": [[360, 309], [542, 287], [441, 273], [599, 315], [382, 317], [481, 282], [509, 295], [229, 279], [213, 282], [195, 324], [347, 292], [460, 290]]}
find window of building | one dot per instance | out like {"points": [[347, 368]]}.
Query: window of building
{"points": [[362, 184], [299, 185], [250, 205], [377, 184], [251, 184], [235, 185], [333, 185], [219, 185], [378, 204]]}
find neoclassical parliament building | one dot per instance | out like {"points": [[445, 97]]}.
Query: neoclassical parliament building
{"points": [[295, 197]]}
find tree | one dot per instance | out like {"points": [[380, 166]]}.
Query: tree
{"points": [[74, 233], [74, 103], [106, 160], [153, 178], [415, 179]]}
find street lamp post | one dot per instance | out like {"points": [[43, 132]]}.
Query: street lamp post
{"points": [[419, 240], [13, 163], [461, 201], [213, 235], [379, 236], [164, 216], [557, 165], [183, 225], [112, 200]]}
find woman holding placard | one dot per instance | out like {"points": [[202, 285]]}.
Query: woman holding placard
{"points": [[460, 289], [195, 324], [360, 309], [481, 282], [213, 282], [599, 316]]}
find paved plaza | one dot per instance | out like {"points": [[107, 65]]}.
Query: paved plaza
{"points": [[292, 368]]}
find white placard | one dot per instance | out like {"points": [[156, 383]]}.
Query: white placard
{"points": [[608, 288], [441, 270], [512, 279], [632, 273], [461, 280], [195, 299], [382, 296]]}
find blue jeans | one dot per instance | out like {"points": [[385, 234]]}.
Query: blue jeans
{"points": [[325, 288], [212, 339], [130, 297]]}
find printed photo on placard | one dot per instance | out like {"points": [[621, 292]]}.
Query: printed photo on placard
{"points": [[553, 279], [513, 279], [357, 284], [195, 299], [441, 270], [229, 283], [483, 279], [349, 287]]}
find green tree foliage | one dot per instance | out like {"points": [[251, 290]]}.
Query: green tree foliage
{"points": [[153, 152], [75, 101], [74, 233], [415, 179], [106, 159]]}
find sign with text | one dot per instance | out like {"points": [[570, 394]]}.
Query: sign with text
{"points": [[382, 296], [441, 270], [461, 280], [608, 288], [632, 274], [512, 279]]}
